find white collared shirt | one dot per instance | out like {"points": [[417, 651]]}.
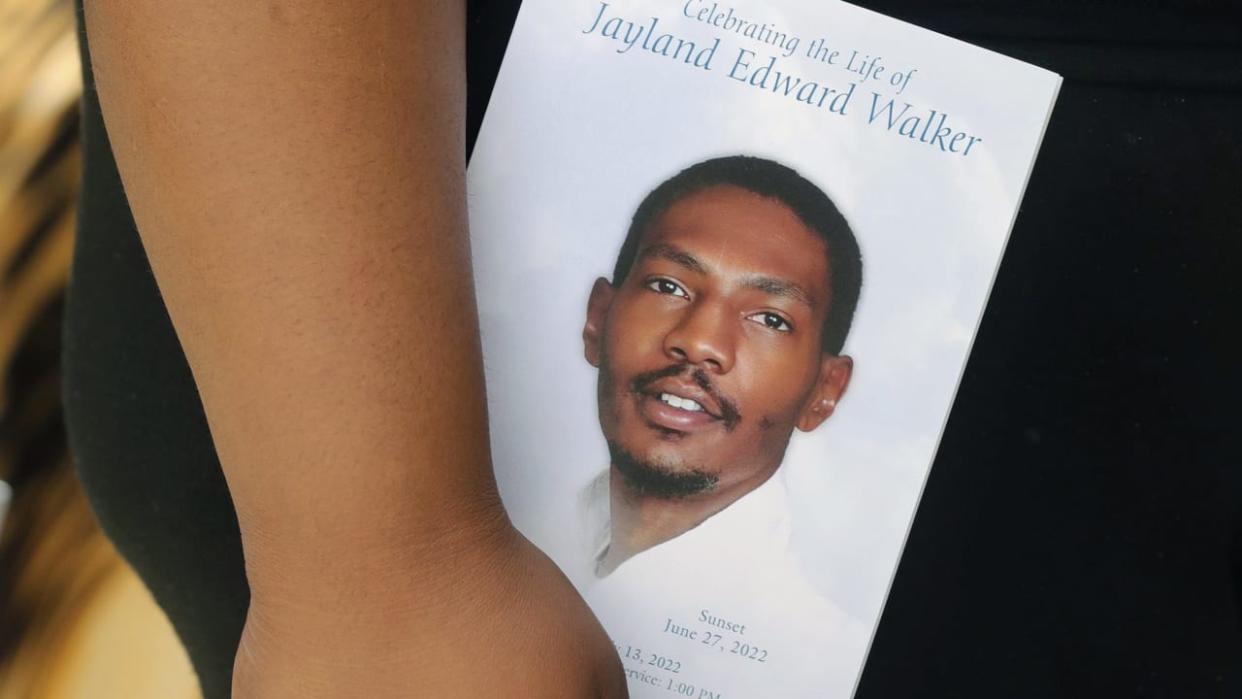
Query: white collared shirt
{"points": [[723, 607]]}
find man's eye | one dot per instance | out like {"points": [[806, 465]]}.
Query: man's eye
{"points": [[772, 321], [664, 286]]}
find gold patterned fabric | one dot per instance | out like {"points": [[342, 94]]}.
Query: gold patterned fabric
{"points": [[74, 620]]}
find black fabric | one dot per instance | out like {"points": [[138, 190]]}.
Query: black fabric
{"points": [[136, 427], [1080, 534]]}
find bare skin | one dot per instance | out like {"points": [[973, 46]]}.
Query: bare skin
{"points": [[296, 171]]}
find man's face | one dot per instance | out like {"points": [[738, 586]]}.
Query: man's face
{"points": [[709, 351]]}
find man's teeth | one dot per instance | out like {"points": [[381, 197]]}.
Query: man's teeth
{"points": [[681, 403]]}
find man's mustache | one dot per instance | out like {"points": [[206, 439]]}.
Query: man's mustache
{"points": [[728, 409]]}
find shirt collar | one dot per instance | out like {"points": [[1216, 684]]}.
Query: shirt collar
{"points": [[757, 522]]}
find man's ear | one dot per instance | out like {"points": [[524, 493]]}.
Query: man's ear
{"points": [[834, 377], [597, 310]]}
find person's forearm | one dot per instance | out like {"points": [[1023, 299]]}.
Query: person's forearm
{"points": [[296, 171]]}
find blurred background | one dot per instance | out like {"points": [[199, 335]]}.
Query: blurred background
{"points": [[74, 619]]}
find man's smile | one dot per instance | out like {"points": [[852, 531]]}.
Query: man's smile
{"points": [[679, 402], [684, 396], [680, 399], [669, 412]]}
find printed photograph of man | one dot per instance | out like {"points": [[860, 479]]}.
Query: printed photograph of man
{"points": [[720, 333]]}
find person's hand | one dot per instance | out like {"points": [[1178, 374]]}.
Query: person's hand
{"points": [[493, 617]]}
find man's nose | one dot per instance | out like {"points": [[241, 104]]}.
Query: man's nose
{"points": [[703, 337]]}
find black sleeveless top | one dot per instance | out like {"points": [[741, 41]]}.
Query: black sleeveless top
{"points": [[1080, 534]]}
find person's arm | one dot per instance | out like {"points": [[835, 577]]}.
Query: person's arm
{"points": [[296, 171]]}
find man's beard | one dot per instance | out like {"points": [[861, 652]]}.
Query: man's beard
{"points": [[655, 480], [648, 478]]}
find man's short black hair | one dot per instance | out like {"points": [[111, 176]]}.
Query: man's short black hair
{"points": [[770, 179]]}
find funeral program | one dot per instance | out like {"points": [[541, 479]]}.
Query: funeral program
{"points": [[730, 258]]}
